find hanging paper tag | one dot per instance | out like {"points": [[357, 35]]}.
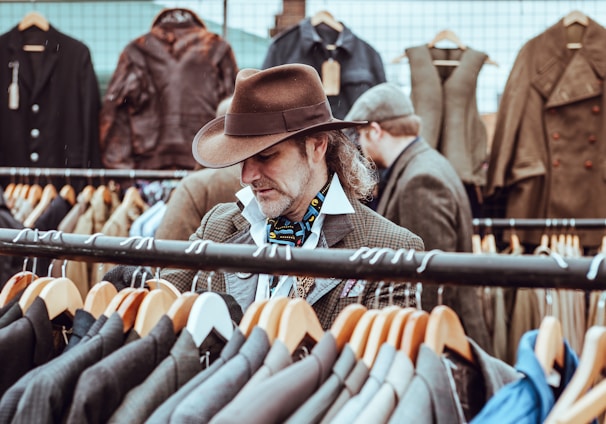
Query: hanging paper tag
{"points": [[13, 88], [331, 77]]}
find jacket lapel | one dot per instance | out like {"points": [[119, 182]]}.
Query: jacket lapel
{"points": [[50, 56]]}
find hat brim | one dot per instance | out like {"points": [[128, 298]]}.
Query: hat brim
{"points": [[214, 149]]}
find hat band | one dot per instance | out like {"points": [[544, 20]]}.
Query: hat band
{"points": [[266, 123]]}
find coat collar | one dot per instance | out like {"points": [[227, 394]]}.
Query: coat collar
{"points": [[563, 75], [311, 38], [397, 169], [49, 56]]}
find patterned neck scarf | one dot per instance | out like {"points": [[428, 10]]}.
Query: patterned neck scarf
{"points": [[281, 230]]}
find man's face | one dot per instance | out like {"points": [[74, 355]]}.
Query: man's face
{"points": [[279, 177]]}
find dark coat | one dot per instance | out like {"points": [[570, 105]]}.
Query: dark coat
{"points": [[56, 124], [422, 176], [167, 85], [360, 64], [549, 147]]}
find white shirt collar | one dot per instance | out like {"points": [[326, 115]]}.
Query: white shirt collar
{"points": [[335, 203]]}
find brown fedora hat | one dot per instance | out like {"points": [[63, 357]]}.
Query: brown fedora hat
{"points": [[268, 107]]}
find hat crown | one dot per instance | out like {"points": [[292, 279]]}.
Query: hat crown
{"points": [[276, 89]]}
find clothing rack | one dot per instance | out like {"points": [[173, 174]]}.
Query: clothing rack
{"points": [[132, 174], [538, 223], [384, 264]]}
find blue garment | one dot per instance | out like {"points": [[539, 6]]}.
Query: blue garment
{"points": [[530, 399], [147, 223]]}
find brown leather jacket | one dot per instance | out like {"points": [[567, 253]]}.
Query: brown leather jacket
{"points": [[166, 86]]}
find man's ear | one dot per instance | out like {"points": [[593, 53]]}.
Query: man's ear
{"points": [[316, 146], [374, 131]]}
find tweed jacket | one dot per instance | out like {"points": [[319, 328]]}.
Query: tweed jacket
{"points": [[225, 224], [445, 99], [166, 86], [195, 195], [422, 176], [280, 395], [548, 153]]}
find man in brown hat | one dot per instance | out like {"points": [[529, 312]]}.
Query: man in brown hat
{"points": [[303, 179]]}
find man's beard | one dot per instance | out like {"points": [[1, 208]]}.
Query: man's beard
{"points": [[275, 208]]}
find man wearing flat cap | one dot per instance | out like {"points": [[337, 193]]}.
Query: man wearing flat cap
{"points": [[414, 173], [304, 180]]}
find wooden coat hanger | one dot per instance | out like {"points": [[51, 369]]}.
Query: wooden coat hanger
{"points": [[48, 194], [32, 291], [8, 190], [31, 19], [591, 364], [298, 321], [129, 307], [106, 194], [99, 297], [251, 317], [115, 302], [165, 285], [156, 304], [269, 320], [414, 334], [34, 194], [86, 194], [209, 314], [378, 334], [444, 330], [344, 324], [132, 198], [359, 338], [398, 324], [14, 285], [61, 295], [68, 193], [325, 17], [445, 35], [34, 19], [180, 309], [549, 346], [575, 17]]}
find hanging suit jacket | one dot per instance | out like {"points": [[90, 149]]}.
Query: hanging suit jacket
{"points": [[166, 86], [445, 98], [170, 375], [430, 397], [361, 65], [56, 124], [162, 414], [351, 387], [280, 395], [318, 403], [421, 175], [119, 372], [195, 195], [549, 148], [47, 397], [225, 224]]}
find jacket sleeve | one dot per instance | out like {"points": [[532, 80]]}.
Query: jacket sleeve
{"points": [[125, 94], [509, 117], [91, 105]]}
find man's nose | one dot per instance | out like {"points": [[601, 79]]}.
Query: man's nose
{"points": [[249, 172]]}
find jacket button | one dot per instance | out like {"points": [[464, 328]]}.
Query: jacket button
{"points": [[595, 109], [35, 108], [592, 138], [556, 163], [35, 133], [555, 136], [588, 164], [34, 156]]}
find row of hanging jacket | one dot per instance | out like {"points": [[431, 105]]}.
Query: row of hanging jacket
{"points": [[157, 355]]}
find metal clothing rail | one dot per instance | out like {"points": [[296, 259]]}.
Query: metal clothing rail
{"points": [[93, 173], [541, 223], [369, 264]]}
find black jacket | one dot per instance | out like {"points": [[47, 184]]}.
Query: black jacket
{"points": [[361, 65]]}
